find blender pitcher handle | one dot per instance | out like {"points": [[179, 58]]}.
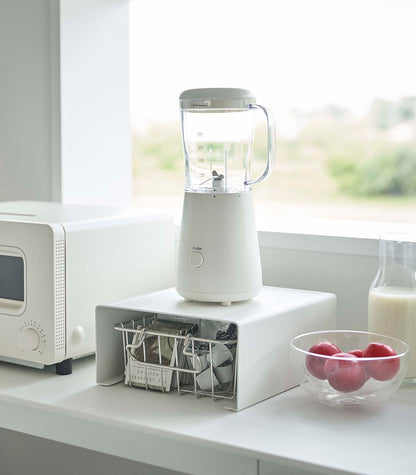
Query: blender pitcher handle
{"points": [[271, 145]]}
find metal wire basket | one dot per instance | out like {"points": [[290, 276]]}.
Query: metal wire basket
{"points": [[196, 364]]}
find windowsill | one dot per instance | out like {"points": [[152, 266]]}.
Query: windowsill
{"points": [[329, 235], [324, 235]]}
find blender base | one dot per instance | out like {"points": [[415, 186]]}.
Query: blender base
{"points": [[226, 303], [224, 299], [218, 252]]}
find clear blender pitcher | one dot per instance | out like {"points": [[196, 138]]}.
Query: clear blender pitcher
{"points": [[218, 133], [218, 253]]}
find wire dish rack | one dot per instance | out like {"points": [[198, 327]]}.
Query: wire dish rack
{"points": [[187, 363]]}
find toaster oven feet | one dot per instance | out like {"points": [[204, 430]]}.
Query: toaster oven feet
{"points": [[64, 367]]}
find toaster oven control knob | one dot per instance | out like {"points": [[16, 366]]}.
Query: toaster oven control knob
{"points": [[29, 339]]}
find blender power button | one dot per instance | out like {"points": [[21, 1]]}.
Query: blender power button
{"points": [[196, 259]]}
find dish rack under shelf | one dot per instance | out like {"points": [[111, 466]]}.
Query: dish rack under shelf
{"points": [[199, 366]]}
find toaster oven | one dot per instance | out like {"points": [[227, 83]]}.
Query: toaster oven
{"points": [[57, 262]]}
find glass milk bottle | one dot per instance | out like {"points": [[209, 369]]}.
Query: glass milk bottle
{"points": [[392, 296]]}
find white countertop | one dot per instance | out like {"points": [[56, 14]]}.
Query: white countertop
{"points": [[199, 436]]}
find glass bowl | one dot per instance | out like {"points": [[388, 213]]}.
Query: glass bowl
{"points": [[348, 380]]}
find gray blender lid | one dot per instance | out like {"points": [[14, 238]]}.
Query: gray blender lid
{"points": [[216, 98]]}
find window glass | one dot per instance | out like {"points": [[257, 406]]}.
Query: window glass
{"points": [[339, 76], [11, 278]]}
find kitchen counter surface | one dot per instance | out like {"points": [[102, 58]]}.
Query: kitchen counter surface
{"points": [[289, 431]]}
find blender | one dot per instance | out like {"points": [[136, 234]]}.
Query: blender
{"points": [[218, 255]]}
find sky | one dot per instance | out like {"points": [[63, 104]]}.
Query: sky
{"points": [[300, 55]]}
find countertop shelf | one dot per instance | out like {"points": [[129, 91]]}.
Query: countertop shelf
{"points": [[198, 436]]}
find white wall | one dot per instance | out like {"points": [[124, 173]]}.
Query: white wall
{"points": [[344, 265], [349, 277], [64, 114], [95, 129], [26, 115]]}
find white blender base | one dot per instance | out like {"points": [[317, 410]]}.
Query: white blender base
{"points": [[218, 254], [224, 299]]}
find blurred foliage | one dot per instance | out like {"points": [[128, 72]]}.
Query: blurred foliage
{"points": [[386, 114], [160, 147], [379, 159], [390, 171]]}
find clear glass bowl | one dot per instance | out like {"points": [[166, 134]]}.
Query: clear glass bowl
{"points": [[343, 381]]}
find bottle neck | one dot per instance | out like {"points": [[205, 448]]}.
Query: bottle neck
{"points": [[397, 264]]}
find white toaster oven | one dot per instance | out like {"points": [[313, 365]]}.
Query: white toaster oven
{"points": [[57, 262]]}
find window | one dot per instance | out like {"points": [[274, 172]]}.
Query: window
{"points": [[339, 77]]}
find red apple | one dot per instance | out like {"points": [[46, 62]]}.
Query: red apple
{"points": [[315, 364], [359, 354], [331, 364], [385, 369], [346, 374]]}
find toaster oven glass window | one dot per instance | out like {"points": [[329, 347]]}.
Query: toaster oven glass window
{"points": [[12, 278]]}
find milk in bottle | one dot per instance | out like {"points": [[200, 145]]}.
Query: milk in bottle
{"points": [[392, 311], [392, 296]]}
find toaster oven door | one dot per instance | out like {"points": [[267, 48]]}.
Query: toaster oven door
{"points": [[32, 292]]}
